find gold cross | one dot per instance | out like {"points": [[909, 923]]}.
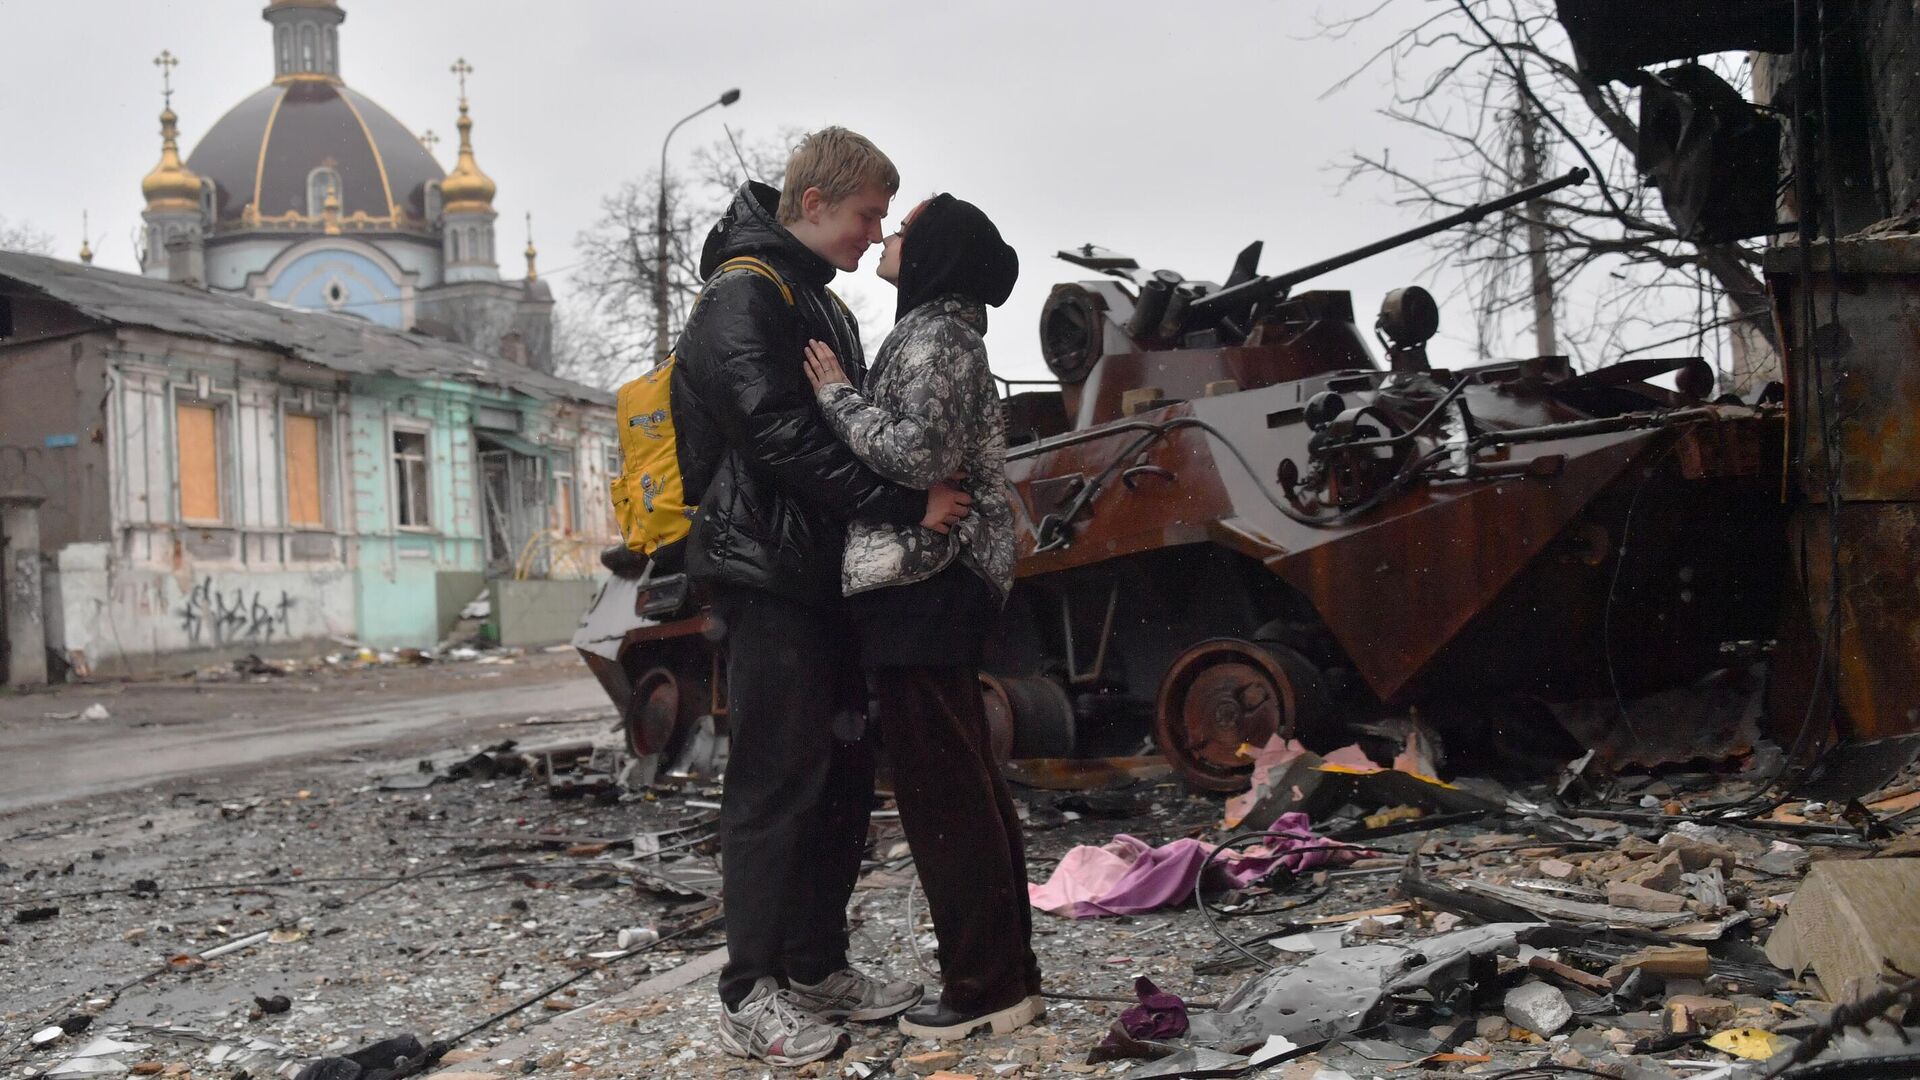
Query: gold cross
{"points": [[462, 69], [166, 62]]}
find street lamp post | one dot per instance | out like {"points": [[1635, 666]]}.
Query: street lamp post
{"points": [[660, 305]]}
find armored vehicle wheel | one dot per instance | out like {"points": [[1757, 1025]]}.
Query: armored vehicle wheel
{"points": [[1027, 717], [1224, 693], [666, 701]]}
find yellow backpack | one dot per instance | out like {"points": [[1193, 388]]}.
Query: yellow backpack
{"points": [[649, 500]]}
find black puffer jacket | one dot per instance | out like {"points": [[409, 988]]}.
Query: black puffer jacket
{"points": [[776, 489]]}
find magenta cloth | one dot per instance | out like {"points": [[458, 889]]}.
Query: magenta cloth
{"points": [[1128, 876], [1159, 1015]]}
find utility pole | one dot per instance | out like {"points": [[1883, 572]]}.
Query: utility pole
{"points": [[1544, 339], [662, 313]]}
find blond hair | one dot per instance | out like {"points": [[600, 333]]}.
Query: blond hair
{"points": [[838, 162]]}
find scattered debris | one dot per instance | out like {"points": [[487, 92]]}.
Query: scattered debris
{"points": [[638, 936], [1855, 924], [1537, 1007], [1447, 926], [1339, 992]]}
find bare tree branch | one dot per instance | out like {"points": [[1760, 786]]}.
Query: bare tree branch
{"points": [[604, 334], [1462, 70], [23, 237]]}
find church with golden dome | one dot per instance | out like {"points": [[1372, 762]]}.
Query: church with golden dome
{"points": [[307, 193]]}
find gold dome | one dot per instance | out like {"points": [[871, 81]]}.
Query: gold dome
{"points": [[466, 189], [171, 185]]}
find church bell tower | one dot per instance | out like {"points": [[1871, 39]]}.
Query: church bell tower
{"points": [[306, 39]]}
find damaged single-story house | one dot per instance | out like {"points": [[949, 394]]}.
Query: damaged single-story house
{"points": [[219, 474]]}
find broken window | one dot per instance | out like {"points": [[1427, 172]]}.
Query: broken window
{"points": [[410, 487], [197, 445], [518, 479], [306, 502]]}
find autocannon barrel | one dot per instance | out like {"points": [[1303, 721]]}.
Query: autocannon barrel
{"points": [[1242, 298]]}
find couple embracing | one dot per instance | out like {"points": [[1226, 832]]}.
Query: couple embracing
{"points": [[854, 533]]}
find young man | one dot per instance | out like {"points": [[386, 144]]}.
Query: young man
{"points": [[776, 490]]}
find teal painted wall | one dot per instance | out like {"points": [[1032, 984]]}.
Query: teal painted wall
{"points": [[398, 569], [400, 574]]}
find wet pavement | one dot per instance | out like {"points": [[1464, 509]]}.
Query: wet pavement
{"points": [[161, 729]]}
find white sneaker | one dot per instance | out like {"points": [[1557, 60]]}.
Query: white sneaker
{"points": [[771, 1026], [848, 994]]}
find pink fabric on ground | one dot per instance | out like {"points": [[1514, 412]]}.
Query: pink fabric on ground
{"points": [[1086, 873], [1085, 886]]}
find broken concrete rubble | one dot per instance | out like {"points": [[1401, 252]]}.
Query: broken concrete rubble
{"points": [[1854, 924], [1339, 992], [1537, 1007]]}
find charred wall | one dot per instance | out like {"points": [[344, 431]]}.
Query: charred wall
{"points": [[1874, 114], [1893, 67]]}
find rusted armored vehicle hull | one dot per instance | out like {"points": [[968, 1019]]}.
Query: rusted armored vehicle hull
{"points": [[1586, 565]]}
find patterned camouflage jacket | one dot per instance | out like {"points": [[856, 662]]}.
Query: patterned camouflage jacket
{"points": [[929, 409]]}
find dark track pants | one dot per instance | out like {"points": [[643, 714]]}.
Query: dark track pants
{"points": [[793, 814], [964, 832]]}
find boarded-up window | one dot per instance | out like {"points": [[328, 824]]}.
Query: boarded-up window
{"points": [[304, 507], [197, 429], [410, 479]]}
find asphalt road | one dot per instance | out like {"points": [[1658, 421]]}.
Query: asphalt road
{"points": [[159, 732]]}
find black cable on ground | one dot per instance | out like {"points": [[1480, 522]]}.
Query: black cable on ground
{"points": [[1199, 876], [1117, 999], [543, 995], [1545, 1069], [1897, 1067]]}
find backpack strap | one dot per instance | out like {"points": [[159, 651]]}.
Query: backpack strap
{"points": [[758, 266]]}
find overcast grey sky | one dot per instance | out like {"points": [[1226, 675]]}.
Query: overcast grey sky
{"points": [[1174, 132]]}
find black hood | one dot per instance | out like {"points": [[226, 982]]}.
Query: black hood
{"points": [[953, 248], [751, 226]]}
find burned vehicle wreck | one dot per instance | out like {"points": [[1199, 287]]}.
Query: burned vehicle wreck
{"points": [[1234, 522]]}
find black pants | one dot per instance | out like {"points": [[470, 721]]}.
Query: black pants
{"points": [[964, 832], [793, 815]]}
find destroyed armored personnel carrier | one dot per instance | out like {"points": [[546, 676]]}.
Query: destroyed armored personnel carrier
{"points": [[1235, 521]]}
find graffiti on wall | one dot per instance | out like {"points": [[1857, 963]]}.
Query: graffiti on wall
{"points": [[23, 469], [213, 617]]}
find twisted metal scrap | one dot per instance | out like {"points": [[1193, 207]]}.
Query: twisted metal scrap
{"points": [[1856, 1014]]}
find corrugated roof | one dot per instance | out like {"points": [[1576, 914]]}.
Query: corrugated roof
{"points": [[337, 342]]}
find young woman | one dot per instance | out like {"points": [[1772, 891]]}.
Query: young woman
{"points": [[923, 602]]}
